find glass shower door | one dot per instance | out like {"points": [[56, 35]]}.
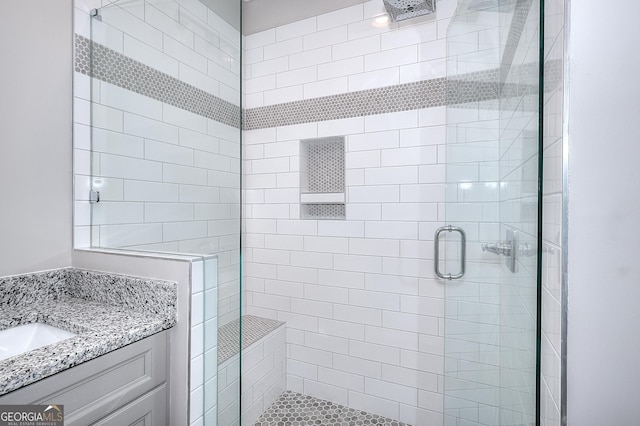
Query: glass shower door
{"points": [[165, 170], [492, 194]]}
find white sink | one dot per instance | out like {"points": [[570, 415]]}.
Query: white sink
{"points": [[24, 338]]}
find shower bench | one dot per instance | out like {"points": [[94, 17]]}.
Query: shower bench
{"points": [[263, 367]]}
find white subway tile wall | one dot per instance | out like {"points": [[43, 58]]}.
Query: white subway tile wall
{"points": [[204, 340], [551, 348], [341, 285], [338, 52], [263, 374]]}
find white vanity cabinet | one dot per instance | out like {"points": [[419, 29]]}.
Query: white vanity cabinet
{"points": [[124, 387]]}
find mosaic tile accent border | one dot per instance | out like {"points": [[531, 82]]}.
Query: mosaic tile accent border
{"points": [[115, 68], [122, 71], [403, 97], [253, 329], [436, 92], [297, 409], [473, 87]]}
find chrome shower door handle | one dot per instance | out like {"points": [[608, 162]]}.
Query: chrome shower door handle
{"points": [[463, 252]]}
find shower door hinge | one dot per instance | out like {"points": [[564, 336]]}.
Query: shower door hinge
{"points": [[95, 13], [94, 196]]}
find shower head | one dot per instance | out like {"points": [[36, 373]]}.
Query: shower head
{"points": [[399, 10]]}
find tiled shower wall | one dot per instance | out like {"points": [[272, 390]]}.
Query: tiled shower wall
{"points": [[364, 314], [551, 350], [163, 147]]}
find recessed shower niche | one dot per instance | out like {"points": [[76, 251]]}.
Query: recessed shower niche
{"points": [[322, 177]]}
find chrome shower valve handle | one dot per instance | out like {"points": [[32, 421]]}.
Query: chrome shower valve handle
{"points": [[501, 248], [508, 248]]}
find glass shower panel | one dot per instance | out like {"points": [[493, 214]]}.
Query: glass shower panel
{"points": [[519, 200], [472, 203], [492, 143], [165, 157]]}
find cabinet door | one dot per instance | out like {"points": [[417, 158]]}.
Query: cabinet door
{"points": [[93, 389], [148, 410]]}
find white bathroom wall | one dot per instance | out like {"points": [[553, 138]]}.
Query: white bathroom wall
{"points": [[363, 312], [603, 338], [35, 136], [166, 162]]}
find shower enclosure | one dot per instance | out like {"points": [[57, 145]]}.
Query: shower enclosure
{"points": [[431, 124]]}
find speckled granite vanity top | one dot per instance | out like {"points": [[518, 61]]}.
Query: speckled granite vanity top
{"points": [[106, 311]]}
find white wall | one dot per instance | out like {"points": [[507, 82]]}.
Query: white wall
{"points": [[604, 207], [35, 135]]}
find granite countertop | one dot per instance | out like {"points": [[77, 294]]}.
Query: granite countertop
{"points": [[106, 311]]}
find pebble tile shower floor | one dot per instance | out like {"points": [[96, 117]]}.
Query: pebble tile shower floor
{"points": [[295, 409]]}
